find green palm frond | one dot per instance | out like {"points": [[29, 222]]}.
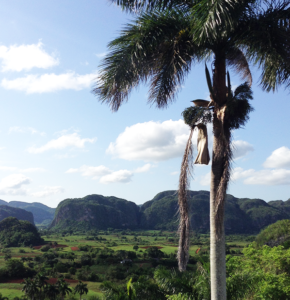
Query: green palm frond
{"points": [[157, 47], [237, 60], [264, 36], [149, 5], [212, 20]]}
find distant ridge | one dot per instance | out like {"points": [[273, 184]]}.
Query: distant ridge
{"points": [[19, 213], [42, 213], [244, 215]]}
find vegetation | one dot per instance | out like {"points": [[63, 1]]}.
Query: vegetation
{"points": [[275, 234], [21, 214], [242, 216], [162, 43], [16, 233]]}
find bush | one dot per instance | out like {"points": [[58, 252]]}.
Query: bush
{"points": [[45, 248], [22, 251]]}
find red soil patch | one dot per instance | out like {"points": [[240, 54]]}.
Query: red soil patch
{"points": [[50, 281], [75, 248], [151, 247], [52, 246]]}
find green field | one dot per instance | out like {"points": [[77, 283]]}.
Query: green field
{"points": [[105, 251]]}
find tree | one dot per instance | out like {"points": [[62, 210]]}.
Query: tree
{"points": [[167, 37], [63, 288], [51, 291], [41, 281], [30, 288], [81, 288]]}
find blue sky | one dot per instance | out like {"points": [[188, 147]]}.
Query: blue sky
{"points": [[58, 141]]}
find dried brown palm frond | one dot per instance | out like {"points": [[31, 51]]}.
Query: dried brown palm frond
{"points": [[184, 222], [225, 152]]}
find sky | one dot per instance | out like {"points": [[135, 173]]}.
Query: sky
{"points": [[57, 141]]}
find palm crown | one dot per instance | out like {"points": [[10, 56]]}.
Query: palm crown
{"points": [[161, 45]]}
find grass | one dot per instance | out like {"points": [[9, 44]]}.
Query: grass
{"points": [[122, 242]]}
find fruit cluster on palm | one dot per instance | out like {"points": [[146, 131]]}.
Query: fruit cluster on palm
{"points": [[161, 45]]}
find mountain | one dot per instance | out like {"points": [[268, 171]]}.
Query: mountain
{"points": [[99, 212], [16, 233], [96, 211], [20, 214], [241, 215], [42, 213]]}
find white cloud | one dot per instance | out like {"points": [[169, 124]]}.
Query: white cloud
{"points": [[25, 57], [151, 141], [31, 130], [89, 171], [105, 175], [48, 191], [263, 177], [241, 148], [143, 169], [280, 158], [47, 83], [121, 176], [12, 184], [205, 179], [100, 55], [270, 177], [239, 173], [64, 141]]}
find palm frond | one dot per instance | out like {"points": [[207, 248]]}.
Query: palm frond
{"points": [[212, 20], [184, 221], [139, 6], [156, 47], [237, 60], [264, 36]]}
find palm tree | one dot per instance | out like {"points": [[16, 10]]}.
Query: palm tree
{"points": [[160, 46], [30, 288], [41, 281], [51, 291], [63, 287], [81, 288]]}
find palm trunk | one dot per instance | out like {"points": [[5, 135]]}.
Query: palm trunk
{"points": [[219, 180]]}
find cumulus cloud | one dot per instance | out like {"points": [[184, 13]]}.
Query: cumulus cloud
{"points": [[64, 141], [239, 173], [262, 177], [241, 149], [151, 141], [13, 184], [90, 171], [47, 83], [31, 130], [270, 177], [280, 158], [121, 176], [48, 191], [25, 57], [105, 175], [143, 169]]}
